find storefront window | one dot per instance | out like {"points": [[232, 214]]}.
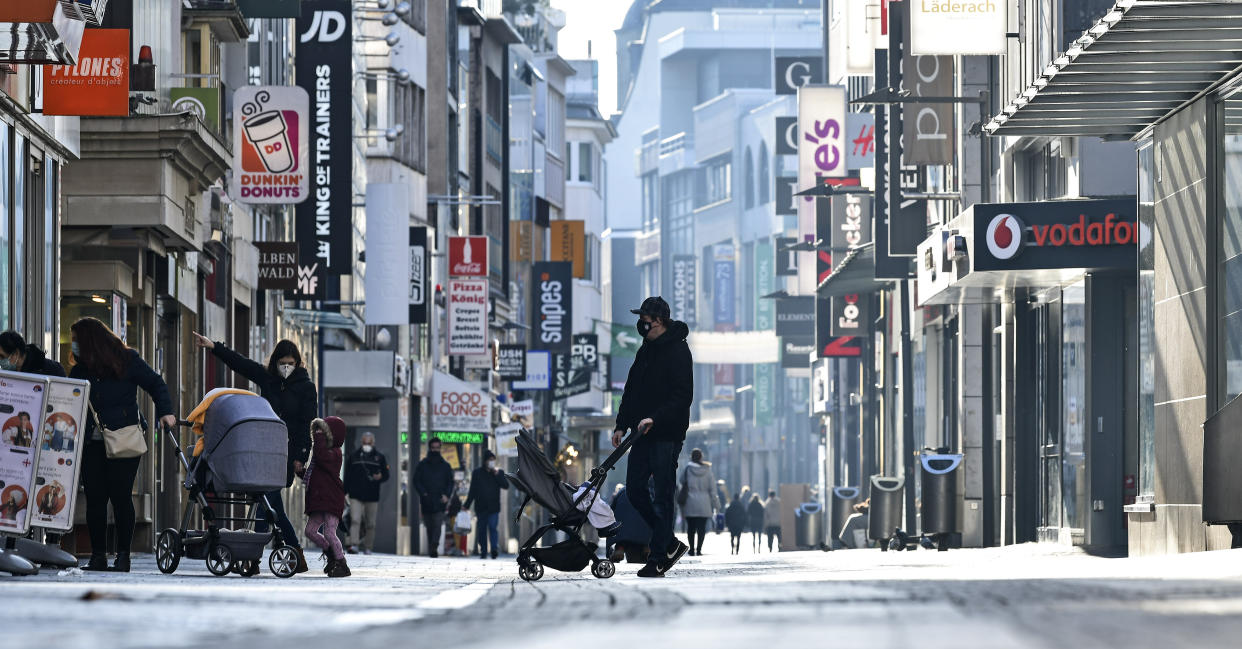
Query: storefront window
{"points": [[19, 233], [1230, 272], [1074, 400], [6, 246], [50, 236], [1147, 324]]}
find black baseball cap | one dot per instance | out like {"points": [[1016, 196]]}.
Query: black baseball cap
{"points": [[655, 307]]}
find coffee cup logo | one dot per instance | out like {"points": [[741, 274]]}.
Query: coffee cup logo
{"points": [[268, 132]]}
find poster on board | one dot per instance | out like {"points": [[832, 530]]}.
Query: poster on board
{"points": [[60, 453], [22, 398]]}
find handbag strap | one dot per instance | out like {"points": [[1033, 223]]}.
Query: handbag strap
{"points": [[94, 415]]}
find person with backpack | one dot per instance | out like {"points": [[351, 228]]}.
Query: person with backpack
{"points": [[697, 499]]}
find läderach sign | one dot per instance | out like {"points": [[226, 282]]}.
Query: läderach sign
{"points": [[457, 438]]}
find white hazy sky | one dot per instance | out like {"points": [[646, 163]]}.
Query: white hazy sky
{"points": [[593, 21]]}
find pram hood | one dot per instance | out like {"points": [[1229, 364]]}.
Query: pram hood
{"points": [[245, 445], [539, 479]]}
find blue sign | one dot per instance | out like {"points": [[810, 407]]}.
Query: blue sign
{"points": [[723, 283]]}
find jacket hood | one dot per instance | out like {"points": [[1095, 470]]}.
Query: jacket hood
{"points": [[34, 359], [699, 470], [677, 332], [335, 425]]}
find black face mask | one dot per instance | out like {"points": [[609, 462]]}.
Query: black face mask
{"points": [[644, 328]]}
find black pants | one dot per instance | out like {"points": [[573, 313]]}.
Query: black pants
{"points": [[735, 542], [108, 480], [654, 461], [287, 533], [696, 525], [433, 521], [774, 532]]}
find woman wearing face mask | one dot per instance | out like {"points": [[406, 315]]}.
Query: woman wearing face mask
{"points": [[485, 485], [115, 373], [17, 356], [286, 384]]}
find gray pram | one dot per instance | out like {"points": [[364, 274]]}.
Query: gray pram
{"points": [[241, 455]]}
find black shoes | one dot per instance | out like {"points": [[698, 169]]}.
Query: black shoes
{"points": [[98, 563], [433, 554], [675, 554], [339, 568], [652, 569], [122, 562]]}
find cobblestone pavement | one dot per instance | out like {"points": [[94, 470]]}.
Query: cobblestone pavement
{"points": [[1022, 596]]}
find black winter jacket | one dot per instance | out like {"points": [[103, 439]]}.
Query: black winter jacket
{"points": [[38, 363], [294, 399], [735, 517], [358, 471], [433, 478], [485, 489], [660, 386], [116, 399]]}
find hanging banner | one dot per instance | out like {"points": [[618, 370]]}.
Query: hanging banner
{"points": [[552, 306], [765, 283], [827, 345], [886, 265], [795, 316], [420, 273], [324, 225], [956, 27], [60, 453], [388, 255], [786, 201], [467, 256], [459, 407], [271, 145], [585, 352], [860, 131], [270, 8], [723, 287], [765, 392], [786, 260], [851, 315], [511, 364], [278, 265], [796, 352], [821, 134], [794, 72], [524, 409], [98, 84], [850, 221], [538, 372], [786, 136], [521, 240], [929, 132], [567, 380], [467, 317], [22, 400], [685, 289], [569, 244], [506, 440]]}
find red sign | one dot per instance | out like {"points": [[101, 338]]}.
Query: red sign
{"points": [[98, 84], [1006, 234], [468, 256], [842, 347]]}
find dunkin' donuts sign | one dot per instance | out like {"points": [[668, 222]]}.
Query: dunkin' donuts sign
{"points": [[271, 144], [1056, 234]]}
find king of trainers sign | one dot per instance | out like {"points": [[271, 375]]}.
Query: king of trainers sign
{"points": [[1056, 234]]}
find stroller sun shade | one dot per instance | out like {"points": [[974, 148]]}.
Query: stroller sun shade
{"points": [[540, 479], [246, 444]]}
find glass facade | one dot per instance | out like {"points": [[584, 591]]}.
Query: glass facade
{"points": [[1229, 273], [1074, 399], [6, 235], [1146, 325]]}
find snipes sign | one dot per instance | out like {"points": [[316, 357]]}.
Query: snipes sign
{"points": [[1055, 234]]}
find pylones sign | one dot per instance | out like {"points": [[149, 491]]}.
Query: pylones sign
{"points": [[271, 144]]}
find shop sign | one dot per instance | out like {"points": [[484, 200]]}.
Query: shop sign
{"points": [[724, 287], [794, 72], [358, 413], [457, 406], [22, 400], [521, 240], [765, 391], [796, 352], [278, 265], [786, 260], [851, 222], [851, 315], [454, 437], [538, 372], [98, 84], [203, 103], [821, 134], [568, 380], [468, 256], [467, 317], [765, 283], [585, 352], [928, 130], [795, 316], [420, 272], [828, 345], [524, 409], [512, 362], [552, 305], [685, 288], [957, 26], [786, 201], [271, 145], [569, 244], [60, 453], [270, 8], [388, 258], [786, 136], [506, 440], [1056, 234]]}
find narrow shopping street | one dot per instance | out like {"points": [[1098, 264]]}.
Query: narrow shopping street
{"points": [[1019, 596]]}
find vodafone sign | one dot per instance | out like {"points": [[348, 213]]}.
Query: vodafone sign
{"points": [[1056, 234], [459, 407]]}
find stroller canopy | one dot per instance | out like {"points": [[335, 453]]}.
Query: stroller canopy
{"points": [[539, 478], [245, 445]]}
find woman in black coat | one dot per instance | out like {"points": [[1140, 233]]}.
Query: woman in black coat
{"points": [[115, 373], [17, 356], [735, 520], [754, 522], [286, 384]]}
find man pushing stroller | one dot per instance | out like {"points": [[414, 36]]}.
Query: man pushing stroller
{"points": [[656, 405]]}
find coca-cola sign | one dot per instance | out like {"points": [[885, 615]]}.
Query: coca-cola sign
{"points": [[468, 256]]}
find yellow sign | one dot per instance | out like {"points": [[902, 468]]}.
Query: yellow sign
{"points": [[569, 244], [521, 240]]}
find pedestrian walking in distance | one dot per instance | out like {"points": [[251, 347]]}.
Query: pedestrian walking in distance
{"points": [[115, 373], [735, 521], [366, 470], [698, 486], [656, 405], [772, 519], [325, 493], [286, 384], [485, 485], [755, 515], [433, 480]]}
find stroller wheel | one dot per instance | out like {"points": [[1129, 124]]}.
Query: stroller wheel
{"points": [[283, 562], [531, 572], [604, 569], [168, 551], [220, 560]]}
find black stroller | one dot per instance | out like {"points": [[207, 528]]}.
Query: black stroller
{"points": [[245, 446], [539, 480]]}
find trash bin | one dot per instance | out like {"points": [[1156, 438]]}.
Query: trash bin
{"points": [[886, 497], [809, 525], [939, 493], [843, 501]]}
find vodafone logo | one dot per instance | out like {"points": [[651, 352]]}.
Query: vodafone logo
{"points": [[1004, 236]]}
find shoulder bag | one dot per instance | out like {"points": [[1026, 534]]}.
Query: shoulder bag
{"points": [[126, 442]]}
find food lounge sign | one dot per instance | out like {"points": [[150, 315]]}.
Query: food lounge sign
{"points": [[1056, 234]]}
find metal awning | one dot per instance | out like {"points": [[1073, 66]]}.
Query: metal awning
{"points": [[1141, 62], [855, 274]]}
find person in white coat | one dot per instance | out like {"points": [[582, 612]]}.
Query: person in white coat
{"points": [[698, 500]]}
